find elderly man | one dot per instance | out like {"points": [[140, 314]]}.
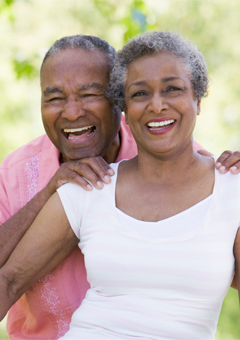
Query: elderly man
{"points": [[80, 124]]}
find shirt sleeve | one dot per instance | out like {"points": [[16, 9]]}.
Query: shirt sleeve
{"points": [[4, 204], [72, 198], [197, 146]]}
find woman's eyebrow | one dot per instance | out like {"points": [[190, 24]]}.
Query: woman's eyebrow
{"points": [[165, 80], [137, 83]]}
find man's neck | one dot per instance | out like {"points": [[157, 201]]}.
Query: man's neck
{"points": [[113, 150]]}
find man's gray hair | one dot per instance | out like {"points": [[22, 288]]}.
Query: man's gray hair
{"points": [[83, 42], [150, 43]]}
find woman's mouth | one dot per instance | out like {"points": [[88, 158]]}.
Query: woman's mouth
{"points": [[161, 124]]}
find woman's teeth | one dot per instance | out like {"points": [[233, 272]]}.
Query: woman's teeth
{"points": [[160, 124]]}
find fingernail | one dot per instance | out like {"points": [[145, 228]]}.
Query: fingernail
{"points": [[107, 178], [233, 168], [111, 172], [222, 168], [218, 164], [99, 184], [89, 187]]}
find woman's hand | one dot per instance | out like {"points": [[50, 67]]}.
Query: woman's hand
{"points": [[236, 251], [227, 161]]}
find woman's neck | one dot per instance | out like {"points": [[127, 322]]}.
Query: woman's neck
{"points": [[170, 166]]}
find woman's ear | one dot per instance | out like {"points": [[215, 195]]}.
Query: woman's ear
{"points": [[198, 106], [126, 115]]}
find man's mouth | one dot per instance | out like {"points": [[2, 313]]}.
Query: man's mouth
{"points": [[162, 124], [78, 133]]}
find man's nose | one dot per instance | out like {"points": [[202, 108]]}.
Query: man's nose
{"points": [[73, 109], [157, 103]]}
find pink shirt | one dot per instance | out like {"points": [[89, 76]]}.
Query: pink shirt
{"points": [[44, 311]]}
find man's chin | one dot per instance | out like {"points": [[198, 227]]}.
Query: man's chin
{"points": [[68, 157]]}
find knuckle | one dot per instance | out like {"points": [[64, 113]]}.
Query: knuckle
{"points": [[82, 166], [236, 154]]}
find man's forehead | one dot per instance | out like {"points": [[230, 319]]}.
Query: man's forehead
{"points": [[70, 57], [86, 67]]}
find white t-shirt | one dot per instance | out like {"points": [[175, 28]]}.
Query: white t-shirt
{"points": [[147, 286]]}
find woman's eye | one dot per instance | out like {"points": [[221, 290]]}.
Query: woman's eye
{"points": [[139, 94], [172, 88]]}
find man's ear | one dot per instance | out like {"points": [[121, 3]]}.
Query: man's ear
{"points": [[198, 106]]}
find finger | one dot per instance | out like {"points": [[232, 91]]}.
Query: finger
{"points": [[106, 166], [79, 170], [205, 153], [221, 161], [232, 161], [99, 166], [72, 177], [235, 169]]}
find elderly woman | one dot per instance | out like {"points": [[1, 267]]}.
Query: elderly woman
{"points": [[158, 241]]}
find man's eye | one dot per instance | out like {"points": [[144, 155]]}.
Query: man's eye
{"points": [[54, 99], [89, 95]]}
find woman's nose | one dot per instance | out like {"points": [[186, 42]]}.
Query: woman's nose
{"points": [[157, 103]]}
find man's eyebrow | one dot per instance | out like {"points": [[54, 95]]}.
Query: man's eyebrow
{"points": [[52, 89], [91, 85]]}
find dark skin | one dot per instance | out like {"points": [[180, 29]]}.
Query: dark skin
{"points": [[94, 169], [192, 175]]}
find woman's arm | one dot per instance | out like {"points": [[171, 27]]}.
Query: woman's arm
{"points": [[236, 251], [47, 242]]}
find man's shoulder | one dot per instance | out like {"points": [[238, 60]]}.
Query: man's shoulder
{"points": [[128, 145], [125, 129], [29, 150]]}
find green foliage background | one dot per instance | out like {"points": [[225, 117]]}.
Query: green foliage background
{"points": [[29, 27]]}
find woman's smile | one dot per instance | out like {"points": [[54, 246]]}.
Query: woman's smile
{"points": [[160, 125]]}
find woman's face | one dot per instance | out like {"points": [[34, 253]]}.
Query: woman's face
{"points": [[161, 107]]}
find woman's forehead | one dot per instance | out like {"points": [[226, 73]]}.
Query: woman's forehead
{"points": [[158, 64]]}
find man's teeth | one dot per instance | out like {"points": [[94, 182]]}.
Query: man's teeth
{"points": [[160, 124], [78, 130]]}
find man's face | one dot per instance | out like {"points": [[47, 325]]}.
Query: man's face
{"points": [[76, 115]]}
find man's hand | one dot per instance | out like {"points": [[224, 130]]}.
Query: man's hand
{"points": [[93, 169], [228, 161]]}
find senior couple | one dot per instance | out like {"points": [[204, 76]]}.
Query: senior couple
{"points": [[158, 239]]}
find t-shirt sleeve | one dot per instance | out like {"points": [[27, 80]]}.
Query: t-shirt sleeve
{"points": [[72, 198]]}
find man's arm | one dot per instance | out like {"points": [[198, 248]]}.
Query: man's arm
{"points": [[94, 169], [47, 242]]}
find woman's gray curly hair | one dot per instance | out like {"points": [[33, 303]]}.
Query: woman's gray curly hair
{"points": [[150, 43]]}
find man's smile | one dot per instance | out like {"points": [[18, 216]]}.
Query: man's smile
{"points": [[79, 133]]}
